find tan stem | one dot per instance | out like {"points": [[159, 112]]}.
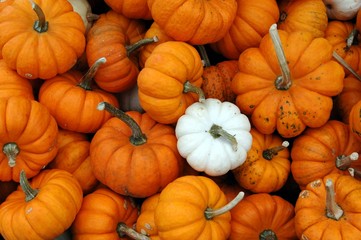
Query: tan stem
{"points": [[346, 65], [123, 229], [205, 59], [332, 209], [284, 81], [351, 39], [87, 79], [140, 43], [344, 162], [354, 172], [40, 25], [271, 152], [29, 192], [188, 87], [211, 213], [11, 151], [217, 131]]}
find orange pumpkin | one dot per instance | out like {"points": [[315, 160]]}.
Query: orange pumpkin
{"points": [[134, 9], [293, 95], [267, 166], [324, 150], [145, 222], [5, 3], [355, 120], [43, 208], [134, 155], [263, 216], [43, 39], [28, 134]]}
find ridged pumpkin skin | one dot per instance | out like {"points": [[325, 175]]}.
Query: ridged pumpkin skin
{"points": [[180, 210], [135, 170], [259, 212], [46, 216], [195, 22], [307, 102], [145, 222], [135, 9], [314, 153], [45, 54], [3, 4], [355, 120], [161, 81], [262, 172], [29, 125], [100, 213], [311, 221]]}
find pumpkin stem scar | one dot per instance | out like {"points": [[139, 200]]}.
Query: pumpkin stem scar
{"points": [[86, 80], [345, 65], [217, 131], [332, 209], [137, 138], [11, 150], [344, 162], [205, 59], [271, 152], [188, 87], [268, 234], [40, 25], [282, 82], [123, 229], [30, 193], [140, 43], [211, 213]]}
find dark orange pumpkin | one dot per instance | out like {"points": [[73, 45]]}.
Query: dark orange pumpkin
{"points": [[134, 9], [355, 120]]}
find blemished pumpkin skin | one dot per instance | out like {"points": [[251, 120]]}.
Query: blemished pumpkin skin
{"points": [[253, 18], [73, 102], [73, 156], [311, 220], [194, 22], [306, 101], [43, 211], [217, 80], [264, 171], [314, 153], [100, 213], [161, 82], [145, 222], [12, 84], [132, 168], [180, 213], [47, 51], [28, 135], [355, 120], [109, 37], [304, 15], [260, 215], [135, 9]]}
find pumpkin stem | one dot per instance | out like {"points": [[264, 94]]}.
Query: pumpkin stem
{"points": [[283, 82], [267, 234], [11, 150], [344, 162], [137, 138], [140, 43], [86, 80], [351, 39], [91, 17], [210, 213], [217, 131], [332, 209], [346, 65], [40, 25], [30, 193], [188, 87], [123, 229], [354, 172], [205, 59], [271, 152]]}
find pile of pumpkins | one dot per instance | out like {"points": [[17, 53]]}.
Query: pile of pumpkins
{"points": [[153, 119]]}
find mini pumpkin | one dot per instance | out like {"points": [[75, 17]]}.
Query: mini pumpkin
{"points": [[137, 9], [355, 120]]}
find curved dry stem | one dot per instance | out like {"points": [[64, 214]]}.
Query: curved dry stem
{"points": [[346, 65], [87, 79], [40, 25], [188, 87], [344, 162], [333, 210], [123, 230], [210, 213], [271, 152], [29, 192], [217, 131], [140, 43]]}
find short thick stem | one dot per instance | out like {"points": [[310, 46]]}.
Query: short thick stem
{"points": [[332, 209], [140, 43], [188, 87], [29, 192], [344, 162], [137, 138], [283, 82], [11, 151], [271, 152], [40, 25], [217, 131], [87, 79], [354, 172], [123, 230], [211, 213], [268, 234]]}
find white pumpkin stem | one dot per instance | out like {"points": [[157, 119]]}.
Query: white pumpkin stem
{"points": [[284, 81], [346, 65], [86, 80], [344, 162], [140, 43], [271, 152], [11, 150], [29, 192], [217, 131], [332, 209], [40, 25], [123, 229], [188, 87], [211, 213]]}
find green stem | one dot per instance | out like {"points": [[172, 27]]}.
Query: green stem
{"points": [[188, 87], [137, 138], [40, 25], [217, 131], [29, 192], [271, 152], [123, 230], [11, 150], [211, 213], [268, 234], [87, 79], [344, 162], [332, 209], [140, 43]]}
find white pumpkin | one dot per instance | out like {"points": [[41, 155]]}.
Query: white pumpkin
{"points": [[342, 9], [83, 8], [213, 136]]}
